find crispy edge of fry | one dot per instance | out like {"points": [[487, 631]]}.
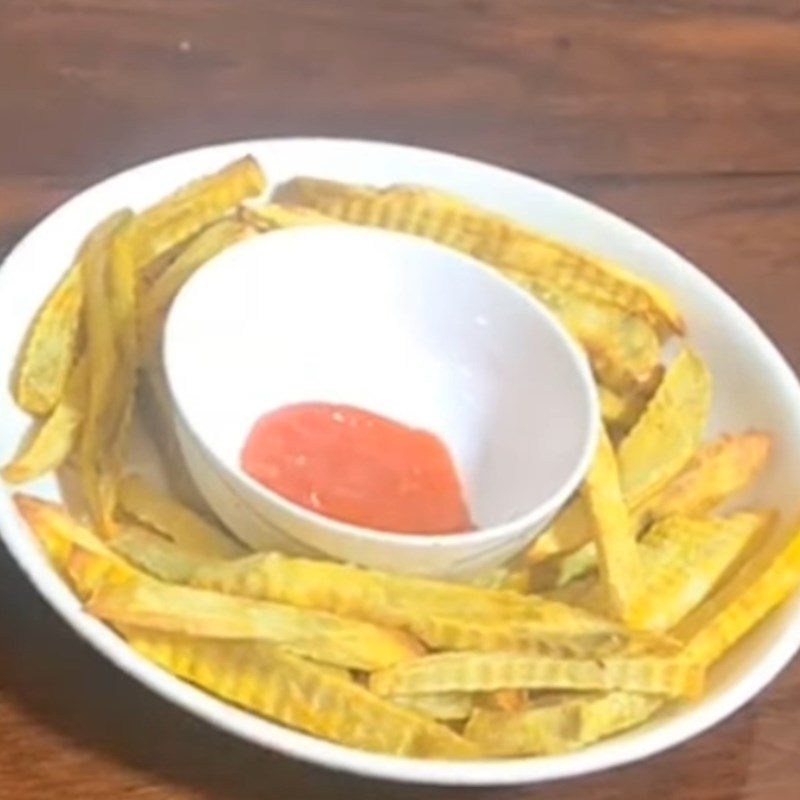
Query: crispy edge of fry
{"points": [[684, 391]]}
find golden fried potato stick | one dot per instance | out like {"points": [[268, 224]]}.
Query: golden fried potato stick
{"points": [[187, 211], [534, 636], [50, 350], [448, 706], [764, 582], [559, 725], [684, 560], [672, 676], [176, 521], [109, 316], [55, 438], [491, 238], [668, 432], [157, 298], [274, 216], [383, 598], [301, 694], [618, 554], [76, 552], [718, 470], [147, 603]]}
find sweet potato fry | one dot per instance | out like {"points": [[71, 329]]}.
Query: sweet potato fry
{"points": [[297, 692]]}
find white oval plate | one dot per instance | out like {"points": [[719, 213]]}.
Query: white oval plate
{"points": [[754, 389]]}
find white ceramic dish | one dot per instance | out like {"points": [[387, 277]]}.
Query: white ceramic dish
{"points": [[754, 389], [402, 327]]}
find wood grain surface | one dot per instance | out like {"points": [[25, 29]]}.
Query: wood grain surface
{"points": [[682, 115]]}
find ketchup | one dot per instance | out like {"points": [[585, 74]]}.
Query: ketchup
{"points": [[358, 467]]}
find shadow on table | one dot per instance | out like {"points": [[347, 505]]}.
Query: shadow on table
{"points": [[65, 684]]}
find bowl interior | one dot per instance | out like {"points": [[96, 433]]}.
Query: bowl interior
{"points": [[754, 388], [396, 325]]}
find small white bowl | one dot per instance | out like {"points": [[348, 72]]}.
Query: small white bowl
{"points": [[401, 327]]}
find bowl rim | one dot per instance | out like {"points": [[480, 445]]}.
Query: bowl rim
{"points": [[487, 535], [662, 736]]}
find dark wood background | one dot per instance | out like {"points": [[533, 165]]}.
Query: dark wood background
{"points": [[682, 115]]}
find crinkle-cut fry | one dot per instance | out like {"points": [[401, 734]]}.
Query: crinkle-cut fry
{"points": [[559, 725], [668, 432], [48, 354], [624, 350], [671, 676], [447, 706], [491, 238], [154, 554], [157, 298], [54, 440], [187, 211], [383, 598], [195, 612], [618, 553], [684, 559], [620, 411], [275, 216], [768, 578], [572, 528], [176, 521], [301, 694], [76, 552], [109, 306], [545, 638], [718, 470]]}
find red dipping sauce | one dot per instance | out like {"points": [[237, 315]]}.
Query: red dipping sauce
{"points": [[358, 467]]}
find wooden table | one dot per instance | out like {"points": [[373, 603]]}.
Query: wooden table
{"points": [[683, 115]]}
